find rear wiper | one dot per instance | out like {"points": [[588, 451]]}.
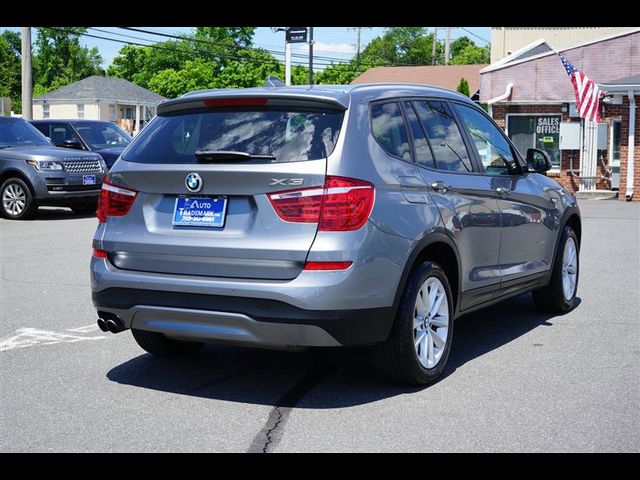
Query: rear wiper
{"points": [[229, 156]]}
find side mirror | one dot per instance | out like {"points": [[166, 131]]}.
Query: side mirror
{"points": [[538, 161], [72, 144]]}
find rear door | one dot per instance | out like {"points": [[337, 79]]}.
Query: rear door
{"points": [[181, 156], [467, 203]]}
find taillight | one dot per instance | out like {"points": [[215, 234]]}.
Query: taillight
{"points": [[342, 204], [114, 201], [327, 265], [99, 253]]}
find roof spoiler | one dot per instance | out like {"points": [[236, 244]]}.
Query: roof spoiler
{"points": [[255, 99]]}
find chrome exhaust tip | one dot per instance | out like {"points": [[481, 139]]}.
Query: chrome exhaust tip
{"points": [[102, 325]]}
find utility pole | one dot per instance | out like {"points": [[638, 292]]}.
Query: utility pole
{"points": [[447, 45], [358, 52], [433, 49], [358, 45], [287, 62], [310, 55], [27, 82]]}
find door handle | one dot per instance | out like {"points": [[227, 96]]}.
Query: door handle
{"points": [[503, 191], [440, 186]]}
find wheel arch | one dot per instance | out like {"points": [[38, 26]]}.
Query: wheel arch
{"points": [[440, 248], [14, 173], [570, 217]]}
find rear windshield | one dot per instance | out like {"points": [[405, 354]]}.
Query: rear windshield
{"points": [[289, 136]]}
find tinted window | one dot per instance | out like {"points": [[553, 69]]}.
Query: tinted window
{"points": [[445, 137], [19, 133], [387, 126], [102, 135], [420, 143], [492, 147], [59, 132], [288, 135]]}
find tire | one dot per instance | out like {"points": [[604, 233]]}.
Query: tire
{"points": [[553, 298], [398, 359], [16, 200], [85, 208], [160, 346]]}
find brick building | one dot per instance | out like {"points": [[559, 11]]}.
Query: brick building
{"points": [[531, 97]]}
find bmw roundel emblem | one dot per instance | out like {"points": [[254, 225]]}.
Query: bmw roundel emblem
{"points": [[193, 182]]}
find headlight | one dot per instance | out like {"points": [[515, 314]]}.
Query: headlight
{"points": [[46, 166]]}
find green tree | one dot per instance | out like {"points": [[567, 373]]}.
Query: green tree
{"points": [[472, 54], [231, 37], [463, 87], [59, 59], [10, 68], [459, 44], [401, 45], [338, 74]]}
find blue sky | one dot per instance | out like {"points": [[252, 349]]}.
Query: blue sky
{"points": [[330, 42]]}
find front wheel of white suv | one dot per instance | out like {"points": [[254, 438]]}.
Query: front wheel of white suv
{"points": [[418, 345]]}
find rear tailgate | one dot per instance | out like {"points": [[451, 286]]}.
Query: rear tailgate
{"points": [[252, 242]]}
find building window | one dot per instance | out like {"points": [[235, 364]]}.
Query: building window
{"points": [[80, 107], [112, 113], [536, 131], [614, 159], [45, 110]]}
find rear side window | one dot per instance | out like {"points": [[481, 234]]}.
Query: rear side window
{"points": [[420, 142], [290, 136], [445, 137], [387, 127]]}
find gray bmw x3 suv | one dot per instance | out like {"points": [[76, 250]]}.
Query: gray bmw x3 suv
{"points": [[328, 216], [34, 172]]}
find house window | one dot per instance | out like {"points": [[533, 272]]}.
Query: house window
{"points": [[80, 107], [45, 110], [536, 131], [112, 113], [614, 159]]}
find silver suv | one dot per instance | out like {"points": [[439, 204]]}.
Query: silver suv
{"points": [[329, 216]]}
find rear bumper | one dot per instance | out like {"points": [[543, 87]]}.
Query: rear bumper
{"points": [[241, 320]]}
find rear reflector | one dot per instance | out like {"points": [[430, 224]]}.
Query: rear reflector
{"points": [[327, 265], [99, 253], [235, 102], [342, 204], [114, 201]]}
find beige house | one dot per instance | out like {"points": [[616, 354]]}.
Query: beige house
{"points": [[507, 40], [100, 98]]}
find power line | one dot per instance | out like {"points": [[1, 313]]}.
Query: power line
{"points": [[475, 35], [208, 41]]}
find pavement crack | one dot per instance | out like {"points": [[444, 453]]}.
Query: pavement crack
{"points": [[273, 430]]}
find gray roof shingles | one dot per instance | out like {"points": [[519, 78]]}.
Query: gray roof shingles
{"points": [[97, 87], [632, 80]]}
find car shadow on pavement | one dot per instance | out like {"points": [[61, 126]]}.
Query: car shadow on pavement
{"points": [[318, 378]]}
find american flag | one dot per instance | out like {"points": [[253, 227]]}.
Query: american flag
{"points": [[588, 96]]}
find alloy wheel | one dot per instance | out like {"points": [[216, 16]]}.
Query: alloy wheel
{"points": [[430, 322], [569, 268], [14, 199]]}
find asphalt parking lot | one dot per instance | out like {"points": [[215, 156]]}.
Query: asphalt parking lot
{"points": [[517, 380]]}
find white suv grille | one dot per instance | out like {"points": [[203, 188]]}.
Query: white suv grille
{"points": [[82, 166]]}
